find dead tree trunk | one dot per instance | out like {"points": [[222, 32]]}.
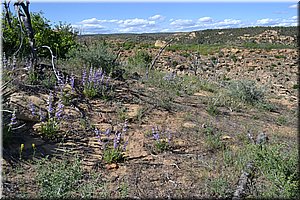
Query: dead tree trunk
{"points": [[24, 15]]}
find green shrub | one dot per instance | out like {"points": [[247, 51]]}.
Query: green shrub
{"points": [[140, 59], [112, 155], [96, 55], [60, 39], [128, 45], [276, 166], [246, 91], [50, 128], [58, 179]]}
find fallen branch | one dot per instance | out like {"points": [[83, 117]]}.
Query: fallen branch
{"points": [[245, 178], [248, 174]]}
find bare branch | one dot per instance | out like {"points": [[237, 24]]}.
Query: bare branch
{"points": [[157, 56], [52, 61], [7, 12], [26, 19]]}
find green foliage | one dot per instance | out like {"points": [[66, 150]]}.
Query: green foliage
{"points": [[128, 45], [141, 59], [6, 134], [59, 179], [33, 77], [219, 186], [277, 167], [90, 91], [112, 155], [50, 128], [60, 39], [202, 49], [122, 113], [161, 145], [213, 141], [266, 46], [246, 91], [281, 120], [212, 109], [96, 55]]}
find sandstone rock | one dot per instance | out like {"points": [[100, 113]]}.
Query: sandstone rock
{"points": [[189, 125], [160, 43], [21, 103]]}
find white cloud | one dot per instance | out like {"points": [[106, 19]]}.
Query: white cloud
{"points": [[182, 22], [277, 22], [293, 6], [90, 21], [136, 22], [156, 23], [157, 17], [266, 21], [229, 22], [205, 19]]}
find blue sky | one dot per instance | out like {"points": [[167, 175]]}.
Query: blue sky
{"points": [[135, 17]]}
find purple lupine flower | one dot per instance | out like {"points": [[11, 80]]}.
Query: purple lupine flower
{"points": [[83, 77], [8, 62], [72, 81], [50, 108], [125, 145], [4, 60], [107, 132], [107, 81], [117, 139], [115, 143], [102, 77], [91, 75], [14, 62], [67, 78], [156, 136], [98, 134], [59, 110], [169, 137], [42, 116], [13, 119], [125, 127], [32, 108], [97, 77], [155, 133], [153, 130]]}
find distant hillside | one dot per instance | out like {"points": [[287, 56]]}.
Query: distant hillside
{"points": [[211, 36], [233, 35]]}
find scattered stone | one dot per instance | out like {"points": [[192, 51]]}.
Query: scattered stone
{"points": [[189, 125]]}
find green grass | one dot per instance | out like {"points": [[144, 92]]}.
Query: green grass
{"points": [[276, 168], [266, 46], [202, 49], [63, 179]]}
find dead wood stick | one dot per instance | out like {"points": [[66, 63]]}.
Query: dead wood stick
{"points": [[53, 66], [157, 56], [245, 178]]}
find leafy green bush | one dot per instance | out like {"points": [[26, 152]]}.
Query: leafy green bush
{"points": [[59, 179], [277, 168], [96, 55], [246, 91], [60, 39], [141, 59], [128, 45]]}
